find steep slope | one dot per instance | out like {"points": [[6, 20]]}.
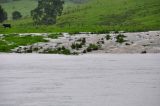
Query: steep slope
{"points": [[115, 13]]}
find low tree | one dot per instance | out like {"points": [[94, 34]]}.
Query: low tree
{"points": [[47, 11], [16, 15], [3, 15]]}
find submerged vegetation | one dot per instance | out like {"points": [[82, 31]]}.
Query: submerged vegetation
{"points": [[8, 42], [120, 38], [92, 47], [108, 37], [60, 50]]}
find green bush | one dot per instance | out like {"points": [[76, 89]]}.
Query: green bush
{"points": [[89, 49], [127, 44], [66, 52], [73, 46], [108, 37], [120, 38], [76, 46], [83, 41], [144, 52], [63, 48], [16, 15], [60, 50], [92, 47], [84, 51]]}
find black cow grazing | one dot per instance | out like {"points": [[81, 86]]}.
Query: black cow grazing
{"points": [[7, 25]]}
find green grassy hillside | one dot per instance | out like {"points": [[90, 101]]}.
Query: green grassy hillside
{"points": [[95, 16], [24, 6]]}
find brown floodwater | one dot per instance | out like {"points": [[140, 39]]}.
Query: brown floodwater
{"points": [[84, 80]]}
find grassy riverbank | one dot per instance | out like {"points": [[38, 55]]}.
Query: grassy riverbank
{"points": [[8, 42]]}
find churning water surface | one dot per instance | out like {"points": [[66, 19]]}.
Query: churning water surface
{"points": [[85, 80]]}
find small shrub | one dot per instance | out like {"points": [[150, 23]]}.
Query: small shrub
{"points": [[108, 37], [102, 42], [75, 53], [144, 52], [83, 41], [35, 49], [51, 51], [89, 49], [73, 46], [29, 51], [120, 38], [84, 51], [92, 47], [66, 52], [63, 48], [16, 15], [76, 46], [59, 50], [128, 44]]}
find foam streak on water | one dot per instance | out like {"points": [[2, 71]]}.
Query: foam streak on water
{"points": [[86, 80]]}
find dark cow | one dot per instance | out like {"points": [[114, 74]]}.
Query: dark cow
{"points": [[7, 25]]}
